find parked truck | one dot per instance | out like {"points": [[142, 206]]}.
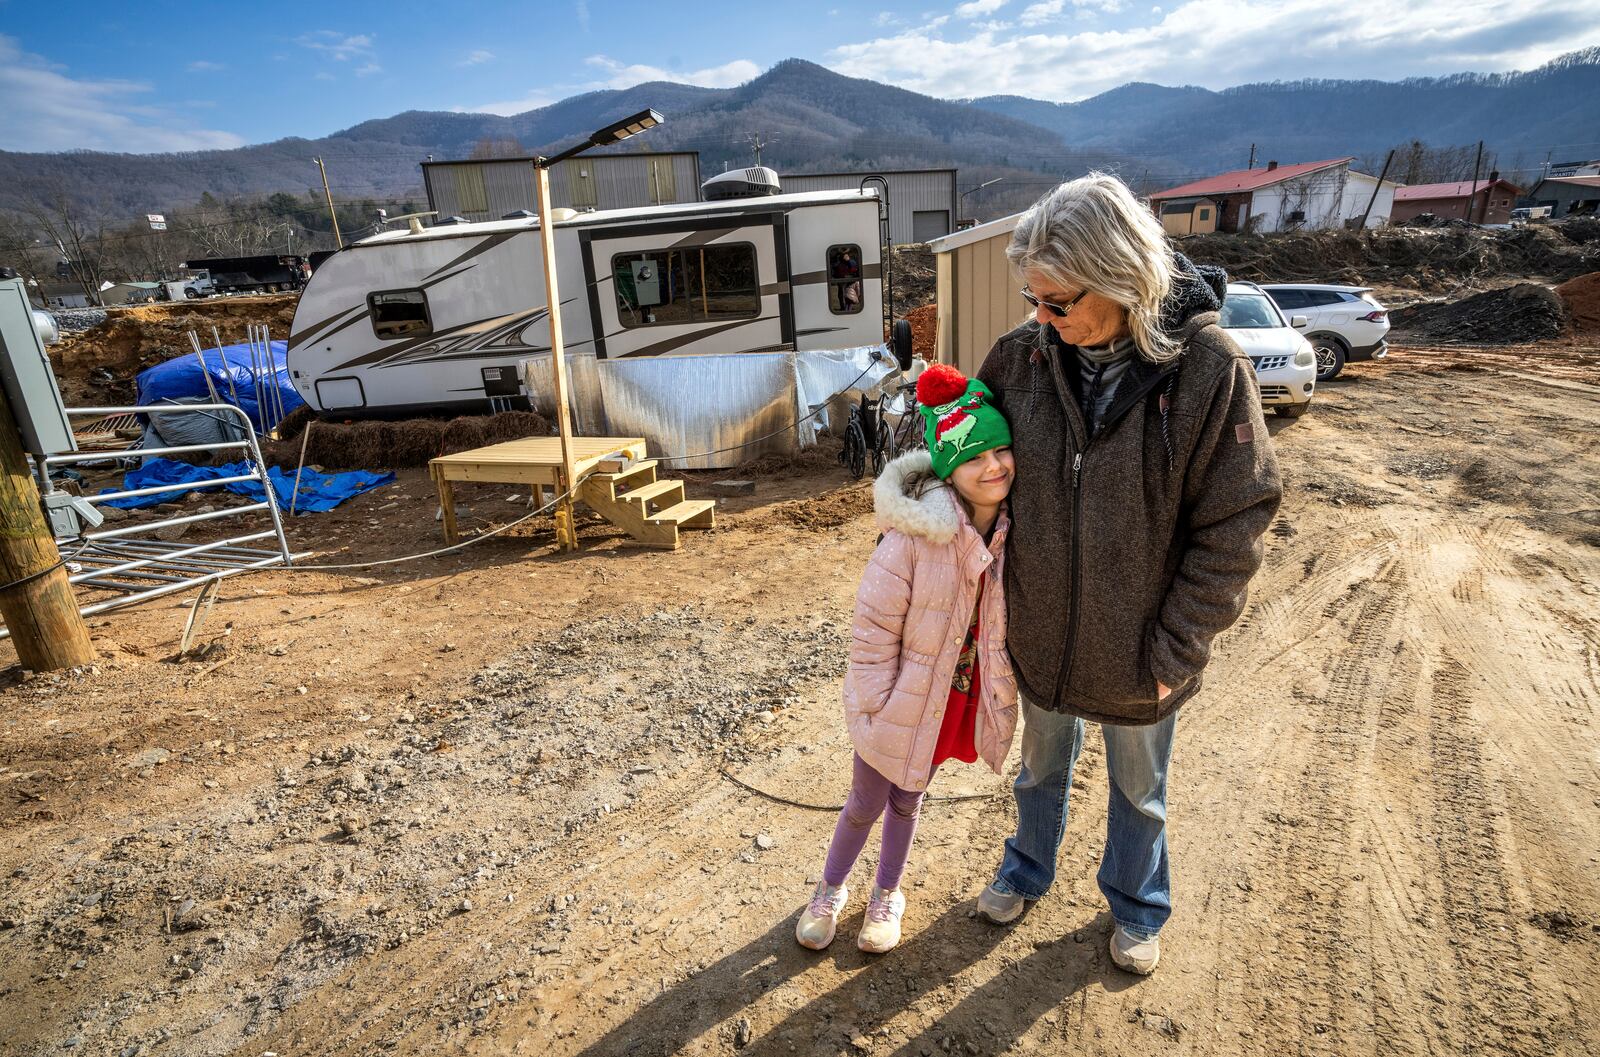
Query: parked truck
{"points": [[265, 274]]}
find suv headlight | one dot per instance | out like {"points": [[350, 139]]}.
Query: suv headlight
{"points": [[1305, 357]]}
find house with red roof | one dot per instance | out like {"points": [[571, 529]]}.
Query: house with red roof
{"points": [[1479, 201], [1304, 196]]}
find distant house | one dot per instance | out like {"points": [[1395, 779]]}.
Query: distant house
{"points": [[1310, 195], [1479, 201], [62, 295], [1567, 195], [128, 293]]}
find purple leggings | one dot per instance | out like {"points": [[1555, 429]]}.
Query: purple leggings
{"points": [[870, 793]]}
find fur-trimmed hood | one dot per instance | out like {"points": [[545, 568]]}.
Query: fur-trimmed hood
{"points": [[908, 497]]}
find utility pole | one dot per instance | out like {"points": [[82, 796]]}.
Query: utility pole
{"points": [[38, 604], [1368, 211], [1252, 164], [1476, 162], [756, 143], [329, 194]]}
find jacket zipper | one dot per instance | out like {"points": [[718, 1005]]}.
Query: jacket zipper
{"points": [[1065, 668]]}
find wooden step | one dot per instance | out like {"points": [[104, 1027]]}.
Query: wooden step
{"points": [[653, 493], [689, 514], [640, 473]]}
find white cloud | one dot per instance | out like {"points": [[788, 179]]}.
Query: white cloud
{"points": [[338, 46], [202, 66], [508, 107], [477, 58], [368, 70], [43, 109], [978, 8], [583, 15], [620, 75], [1037, 13], [1266, 40]]}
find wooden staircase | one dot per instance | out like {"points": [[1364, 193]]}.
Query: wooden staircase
{"points": [[650, 510]]}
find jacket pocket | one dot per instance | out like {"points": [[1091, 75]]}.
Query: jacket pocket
{"points": [[1112, 672]]}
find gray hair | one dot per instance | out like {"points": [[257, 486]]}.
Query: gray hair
{"points": [[1093, 234]]}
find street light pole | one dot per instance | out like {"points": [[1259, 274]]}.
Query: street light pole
{"points": [[961, 198], [566, 529]]}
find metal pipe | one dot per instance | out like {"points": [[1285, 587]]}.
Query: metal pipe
{"points": [[177, 486], [255, 374], [94, 580], [272, 500], [132, 530], [205, 371], [140, 563], [272, 367], [134, 545], [233, 391], [140, 409], [142, 453]]}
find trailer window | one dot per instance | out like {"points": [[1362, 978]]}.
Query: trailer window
{"points": [[844, 280], [400, 314], [695, 285]]}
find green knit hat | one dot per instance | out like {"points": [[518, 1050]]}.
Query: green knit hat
{"points": [[961, 419]]}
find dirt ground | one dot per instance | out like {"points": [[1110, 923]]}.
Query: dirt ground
{"points": [[508, 801]]}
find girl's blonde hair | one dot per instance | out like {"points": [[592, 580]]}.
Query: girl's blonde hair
{"points": [[1093, 234]]}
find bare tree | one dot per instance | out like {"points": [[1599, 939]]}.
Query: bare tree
{"points": [[71, 233], [503, 147]]}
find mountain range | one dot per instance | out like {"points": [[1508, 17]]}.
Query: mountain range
{"points": [[810, 118]]}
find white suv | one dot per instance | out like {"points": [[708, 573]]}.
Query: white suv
{"points": [[1345, 322], [1285, 366]]}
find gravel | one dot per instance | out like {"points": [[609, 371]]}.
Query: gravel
{"points": [[76, 319]]}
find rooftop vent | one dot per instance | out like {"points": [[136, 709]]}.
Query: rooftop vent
{"points": [[754, 182], [447, 221], [520, 214]]}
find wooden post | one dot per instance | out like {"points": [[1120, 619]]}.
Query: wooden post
{"points": [[332, 215], [42, 613], [566, 531]]}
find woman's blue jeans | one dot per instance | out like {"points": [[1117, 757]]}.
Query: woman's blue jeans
{"points": [[1134, 875]]}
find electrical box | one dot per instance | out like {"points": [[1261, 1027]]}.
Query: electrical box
{"points": [[646, 283], [30, 384]]}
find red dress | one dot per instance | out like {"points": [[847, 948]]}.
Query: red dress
{"points": [[957, 734]]}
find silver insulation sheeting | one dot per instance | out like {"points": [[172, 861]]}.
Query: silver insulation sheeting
{"points": [[711, 412]]}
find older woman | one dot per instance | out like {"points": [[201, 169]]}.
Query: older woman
{"points": [[1145, 479]]}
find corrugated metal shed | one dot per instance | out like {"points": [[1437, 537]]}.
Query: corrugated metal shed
{"points": [[490, 188], [922, 202]]}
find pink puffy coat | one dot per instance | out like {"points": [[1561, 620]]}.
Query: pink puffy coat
{"points": [[912, 612]]}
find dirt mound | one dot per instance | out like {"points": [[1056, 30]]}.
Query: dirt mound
{"points": [[824, 513], [1508, 316], [924, 330], [915, 278], [100, 363], [409, 442], [1422, 258], [1582, 298]]}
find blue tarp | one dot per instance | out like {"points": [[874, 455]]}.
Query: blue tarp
{"points": [[181, 377], [318, 491]]}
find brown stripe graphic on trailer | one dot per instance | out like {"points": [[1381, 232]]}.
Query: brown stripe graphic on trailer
{"points": [[871, 271], [684, 339], [399, 351], [305, 335], [483, 247], [702, 238]]}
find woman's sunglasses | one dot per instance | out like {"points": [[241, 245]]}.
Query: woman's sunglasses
{"points": [[1055, 310]]}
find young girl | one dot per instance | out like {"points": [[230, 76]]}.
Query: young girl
{"points": [[929, 677]]}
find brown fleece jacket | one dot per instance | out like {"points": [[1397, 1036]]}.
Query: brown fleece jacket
{"points": [[1130, 552]]}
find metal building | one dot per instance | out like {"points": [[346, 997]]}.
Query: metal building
{"points": [[922, 202], [489, 188]]}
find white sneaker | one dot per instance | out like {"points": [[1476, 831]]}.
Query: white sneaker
{"points": [[820, 919], [1134, 954], [880, 932], [1000, 908]]}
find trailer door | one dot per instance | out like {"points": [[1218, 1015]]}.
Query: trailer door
{"points": [[708, 285]]}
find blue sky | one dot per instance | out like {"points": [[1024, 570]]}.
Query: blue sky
{"points": [[162, 76]]}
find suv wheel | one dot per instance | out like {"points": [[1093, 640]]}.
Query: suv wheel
{"points": [[1330, 356]]}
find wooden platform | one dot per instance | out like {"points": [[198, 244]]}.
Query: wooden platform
{"points": [[616, 478]]}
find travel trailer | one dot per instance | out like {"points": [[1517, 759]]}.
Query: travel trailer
{"points": [[441, 318]]}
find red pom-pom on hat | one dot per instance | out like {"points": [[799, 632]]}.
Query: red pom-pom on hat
{"points": [[940, 384]]}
